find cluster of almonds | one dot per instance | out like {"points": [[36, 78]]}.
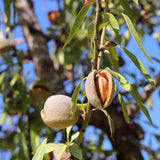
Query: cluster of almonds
{"points": [[99, 88]]}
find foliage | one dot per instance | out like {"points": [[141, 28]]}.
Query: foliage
{"points": [[74, 48]]}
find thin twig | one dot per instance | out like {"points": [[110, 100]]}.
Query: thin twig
{"points": [[101, 44], [84, 125], [96, 35], [94, 66]]}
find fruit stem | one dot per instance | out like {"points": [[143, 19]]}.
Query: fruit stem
{"points": [[84, 125]]}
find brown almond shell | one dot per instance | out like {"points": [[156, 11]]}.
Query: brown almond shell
{"points": [[92, 93]]}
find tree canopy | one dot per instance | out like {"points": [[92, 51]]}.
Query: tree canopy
{"points": [[92, 52]]}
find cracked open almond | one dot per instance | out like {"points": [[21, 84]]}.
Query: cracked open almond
{"points": [[99, 88], [57, 112]]}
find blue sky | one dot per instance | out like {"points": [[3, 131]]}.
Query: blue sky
{"points": [[150, 45]]}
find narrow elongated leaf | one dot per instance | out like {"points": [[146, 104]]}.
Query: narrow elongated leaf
{"points": [[113, 56], [78, 21], [35, 137], [111, 124], [150, 103], [49, 147], [68, 130], [91, 31], [74, 97], [3, 118], [118, 76], [124, 108], [129, 87], [40, 151], [7, 7], [139, 65], [115, 59], [113, 22], [23, 146], [76, 151], [61, 150], [127, 9], [135, 34], [74, 136]]}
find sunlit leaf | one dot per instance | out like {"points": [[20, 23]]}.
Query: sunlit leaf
{"points": [[74, 136], [3, 118], [40, 151], [76, 151], [117, 75], [135, 34], [68, 130], [78, 21], [129, 88], [113, 22], [49, 147], [139, 65], [150, 102], [62, 148], [75, 95], [136, 1], [124, 107], [111, 124]]}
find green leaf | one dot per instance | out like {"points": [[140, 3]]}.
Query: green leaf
{"points": [[78, 21], [2, 77], [76, 151], [135, 34], [111, 124], [114, 58], [113, 22], [74, 136], [124, 108], [35, 137], [136, 1], [68, 130], [157, 137], [91, 31], [61, 150], [49, 147], [23, 146], [7, 8], [139, 65], [150, 102], [4, 146], [105, 21], [129, 87], [127, 9], [74, 97], [118, 76], [3, 118], [40, 151]]}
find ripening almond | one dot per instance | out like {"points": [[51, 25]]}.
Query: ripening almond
{"points": [[57, 112], [53, 16], [99, 88]]}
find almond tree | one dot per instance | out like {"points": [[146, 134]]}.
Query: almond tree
{"points": [[81, 80]]}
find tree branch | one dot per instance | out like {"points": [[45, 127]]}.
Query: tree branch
{"points": [[37, 46]]}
